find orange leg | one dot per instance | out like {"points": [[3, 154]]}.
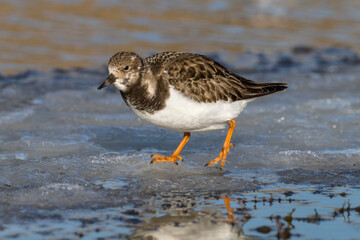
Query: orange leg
{"points": [[225, 149], [175, 156]]}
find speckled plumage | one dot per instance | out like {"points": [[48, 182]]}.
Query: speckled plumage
{"points": [[196, 76], [184, 92], [204, 80]]}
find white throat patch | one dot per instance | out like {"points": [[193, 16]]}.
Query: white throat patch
{"points": [[119, 84]]}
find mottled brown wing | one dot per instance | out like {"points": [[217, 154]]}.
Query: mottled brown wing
{"points": [[205, 80]]}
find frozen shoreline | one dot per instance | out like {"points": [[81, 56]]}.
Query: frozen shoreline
{"points": [[64, 146]]}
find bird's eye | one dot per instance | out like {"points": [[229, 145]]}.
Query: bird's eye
{"points": [[126, 68]]}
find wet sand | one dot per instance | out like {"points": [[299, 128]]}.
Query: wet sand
{"points": [[47, 34]]}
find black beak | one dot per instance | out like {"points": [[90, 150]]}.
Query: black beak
{"points": [[110, 80]]}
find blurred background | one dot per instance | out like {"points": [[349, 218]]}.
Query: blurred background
{"points": [[47, 34]]}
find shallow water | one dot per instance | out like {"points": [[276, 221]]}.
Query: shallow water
{"points": [[75, 161], [268, 214], [47, 34]]}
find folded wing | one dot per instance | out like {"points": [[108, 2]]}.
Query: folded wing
{"points": [[205, 80]]}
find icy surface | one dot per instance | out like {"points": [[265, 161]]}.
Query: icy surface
{"points": [[67, 149]]}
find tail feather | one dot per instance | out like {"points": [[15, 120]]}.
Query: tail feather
{"points": [[255, 89]]}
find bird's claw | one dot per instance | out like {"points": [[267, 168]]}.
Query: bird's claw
{"points": [[222, 156], [159, 158]]}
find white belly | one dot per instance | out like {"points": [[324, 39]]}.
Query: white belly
{"points": [[186, 115]]}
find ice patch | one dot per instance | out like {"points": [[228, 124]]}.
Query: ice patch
{"points": [[338, 104], [66, 147], [61, 187], [16, 116], [347, 152], [13, 156], [111, 183]]}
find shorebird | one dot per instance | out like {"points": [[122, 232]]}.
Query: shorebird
{"points": [[184, 92]]}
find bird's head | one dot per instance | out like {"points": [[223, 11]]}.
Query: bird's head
{"points": [[124, 70]]}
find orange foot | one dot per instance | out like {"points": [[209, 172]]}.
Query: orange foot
{"points": [[225, 149], [158, 158], [222, 156], [175, 156]]}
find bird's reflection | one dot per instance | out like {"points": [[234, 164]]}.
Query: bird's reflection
{"points": [[225, 217], [208, 223]]}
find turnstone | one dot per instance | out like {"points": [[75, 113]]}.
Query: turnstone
{"points": [[185, 92]]}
